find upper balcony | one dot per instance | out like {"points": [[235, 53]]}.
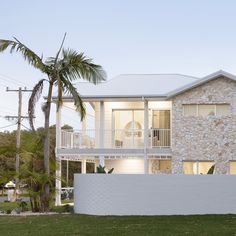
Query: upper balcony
{"points": [[122, 138]]}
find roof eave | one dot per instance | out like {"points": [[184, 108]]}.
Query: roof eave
{"points": [[204, 80], [111, 98]]}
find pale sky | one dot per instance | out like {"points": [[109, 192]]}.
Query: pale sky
{"points": [[193, 37]]}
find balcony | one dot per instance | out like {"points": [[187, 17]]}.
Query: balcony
{"points": [[126, 138]]}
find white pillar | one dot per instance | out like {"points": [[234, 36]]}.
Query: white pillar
{"points": [[101, 132], [146, 136], [83, 167], [58, 159]]}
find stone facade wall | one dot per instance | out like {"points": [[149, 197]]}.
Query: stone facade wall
{"points": [[205, 138]]}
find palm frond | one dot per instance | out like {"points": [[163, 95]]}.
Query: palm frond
{"points": [[70, 89], [31, 57], [75, 65], [35, 95], [59, 51]]}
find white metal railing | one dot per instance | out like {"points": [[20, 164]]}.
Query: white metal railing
{"points": [[117, 138], [128, 138], [78, 139], [159, 138]]}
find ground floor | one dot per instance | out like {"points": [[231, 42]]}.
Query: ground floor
{"points": [[136, 165]]}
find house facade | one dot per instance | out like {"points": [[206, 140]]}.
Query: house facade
{"points": [[156, 124]]}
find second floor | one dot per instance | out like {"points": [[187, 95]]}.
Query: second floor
{"points": [[201, 115]]}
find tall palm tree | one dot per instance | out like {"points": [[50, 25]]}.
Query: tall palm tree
{"points": [[67, 66]]}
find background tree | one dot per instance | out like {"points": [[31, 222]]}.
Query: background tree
{"points": [[67, 66]]}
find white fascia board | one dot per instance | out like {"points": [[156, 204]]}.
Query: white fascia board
{"points": [[199, 82], [112, 98]]}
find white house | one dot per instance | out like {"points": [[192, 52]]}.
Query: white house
{"points": [[155, 124]]}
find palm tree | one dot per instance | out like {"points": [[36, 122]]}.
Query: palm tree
{"points": [[67, 66]]}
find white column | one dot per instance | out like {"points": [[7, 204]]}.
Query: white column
{"points": [[146, 136], [83, 167], [101, 132], [58, 159]]}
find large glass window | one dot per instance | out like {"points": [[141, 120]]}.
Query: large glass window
{"points": [[190, 110], [205, 110], [160, 134], [197, 167], [222, 109], [232, 167], [128, 128], [161, 119]]}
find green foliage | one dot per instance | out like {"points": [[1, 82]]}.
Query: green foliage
{"points": [[24, 206], [102, 170], [211, 170], [67, 208], [60, 71], [8, 211], [110, 171]]}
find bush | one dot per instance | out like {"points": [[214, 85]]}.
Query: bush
{"points": [[8, 211], [63, 209]]}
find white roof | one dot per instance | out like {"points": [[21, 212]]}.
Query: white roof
{"points": [[136, 85], [149, 86]]}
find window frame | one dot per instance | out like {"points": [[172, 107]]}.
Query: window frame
{"points": [[196, 161], [199, 104], [231, 161]]}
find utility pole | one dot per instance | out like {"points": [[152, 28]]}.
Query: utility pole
{"points": [[19, 118]]}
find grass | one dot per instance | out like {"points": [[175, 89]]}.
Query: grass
{"points": [[118, 225]]}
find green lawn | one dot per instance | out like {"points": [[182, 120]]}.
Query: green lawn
{"points": [[110, 225]]}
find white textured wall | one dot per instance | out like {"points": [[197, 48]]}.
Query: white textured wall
{"points": [[126, 166], [100, 194]]}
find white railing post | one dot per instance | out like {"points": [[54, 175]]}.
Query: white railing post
{"points": [[145, 136], [58, 158], [71, 139], [101, 133], [83, 167]]}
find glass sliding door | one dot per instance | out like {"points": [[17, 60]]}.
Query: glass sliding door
{"points": [[160, 134], [128, 128]]}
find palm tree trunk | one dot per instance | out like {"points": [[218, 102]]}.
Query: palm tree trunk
{"points": [[46, 195]]}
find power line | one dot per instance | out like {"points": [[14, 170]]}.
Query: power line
{"points": [[7, 126], [26, 127], [11, 80]]}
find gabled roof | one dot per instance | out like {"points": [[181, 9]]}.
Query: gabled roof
{"points": [[199, 82], [135, 85], [148, 86]]}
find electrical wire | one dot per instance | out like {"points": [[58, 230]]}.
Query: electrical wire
{"points": [[7, 126], [11, 80], [26, 127]]}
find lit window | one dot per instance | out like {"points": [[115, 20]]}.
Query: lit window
{"points": [[232, 167], [198, 167], [222, 109], [206, 110], [190, 110]]}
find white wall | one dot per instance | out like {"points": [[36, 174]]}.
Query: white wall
{"points": [[126, 166], [100, 194]]}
